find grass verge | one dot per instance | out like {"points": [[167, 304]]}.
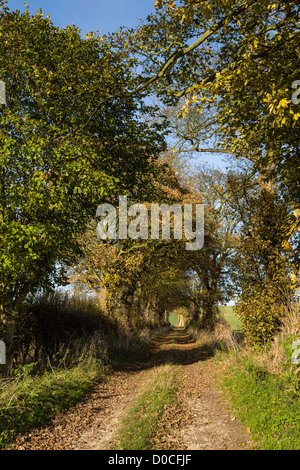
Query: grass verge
{"points": [[31, 399], [139, 426], [265, 402]]}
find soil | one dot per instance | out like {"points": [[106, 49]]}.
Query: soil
{"points": [[201, 418]]}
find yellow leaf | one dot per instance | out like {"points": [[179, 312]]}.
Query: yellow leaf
{"points": [[286, 245], [297, 213], [283, 103]]}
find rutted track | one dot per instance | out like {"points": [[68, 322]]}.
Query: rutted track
{"points": [[201, 422]]}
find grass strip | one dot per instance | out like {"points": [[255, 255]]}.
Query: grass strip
{"points": [[139, 425], [33, 401], [265, 403]]}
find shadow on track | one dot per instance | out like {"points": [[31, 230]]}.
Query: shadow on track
{"points": [[174, 347]]}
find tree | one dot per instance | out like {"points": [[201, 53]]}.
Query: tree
{"points": [[237, 65], [233, 55], [214, 266], [64, 148], [191, 130], [259, 118], [137, 281], [268, 267]]}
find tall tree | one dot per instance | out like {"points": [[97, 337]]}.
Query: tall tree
{"points": [[137, 279], [234, 56], [268, 263], [64, 147], [214, 266]]}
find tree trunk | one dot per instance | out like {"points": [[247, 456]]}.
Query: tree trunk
{"points": [[10, 326], [210, 309], [10, 309]]}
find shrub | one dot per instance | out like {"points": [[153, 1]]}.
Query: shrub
{"points": [[261, 317], [48, 323]]}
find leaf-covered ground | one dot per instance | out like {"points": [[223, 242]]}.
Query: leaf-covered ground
{"points": [[198, 419]]}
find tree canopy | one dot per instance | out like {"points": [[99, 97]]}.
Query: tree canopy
{"points": [[64, 147]]}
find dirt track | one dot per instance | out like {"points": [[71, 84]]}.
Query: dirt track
{"points": [[203, 422]]}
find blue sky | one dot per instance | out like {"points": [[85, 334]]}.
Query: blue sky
{"points": [[90, 15]]}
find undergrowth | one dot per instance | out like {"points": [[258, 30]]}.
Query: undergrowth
{"points": [[32, 397]]}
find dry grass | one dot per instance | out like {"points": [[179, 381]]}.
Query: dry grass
{"points": [[221, 338], [274, 355]]}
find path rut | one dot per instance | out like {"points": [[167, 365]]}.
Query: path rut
{"points": [[203, 421]]}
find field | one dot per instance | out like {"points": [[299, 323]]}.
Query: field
{"points": [[231, 317], [228, 313], [173, 319]]}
